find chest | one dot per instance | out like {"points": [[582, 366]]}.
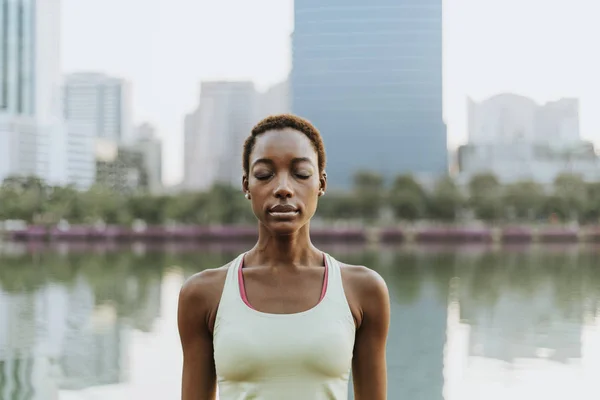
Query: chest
{"points": [[256, 346], [283, 293]]}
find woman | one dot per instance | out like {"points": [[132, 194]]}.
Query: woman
{"points": [[284, 320]]}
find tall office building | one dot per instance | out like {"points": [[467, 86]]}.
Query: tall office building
{"points": [[369, 76], [275, 100], [30, 80], [120, 167], [80, 161], [516, 139], [148, 143], [101, 103], [215, 133]]}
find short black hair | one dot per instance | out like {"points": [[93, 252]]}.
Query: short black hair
{"points": [[280, 122]]}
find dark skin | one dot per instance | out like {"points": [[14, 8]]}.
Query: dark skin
{"points": [[284, 271]]}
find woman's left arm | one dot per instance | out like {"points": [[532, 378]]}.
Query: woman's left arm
{"points": [[369, 366]]}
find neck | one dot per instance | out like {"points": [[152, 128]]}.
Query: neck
{"points": [[278, 251]]}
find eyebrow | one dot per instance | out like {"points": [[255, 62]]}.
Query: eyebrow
{"points": [[270, 162]]}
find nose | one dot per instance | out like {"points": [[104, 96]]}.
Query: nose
{"points": [[283, 189]]}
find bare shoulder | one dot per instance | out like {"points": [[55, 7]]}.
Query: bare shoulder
{"points": [[366, 291], [204, 284], [363, 280], [200, 295]]}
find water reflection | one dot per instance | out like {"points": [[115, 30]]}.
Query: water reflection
{"points": [[467, 323]]}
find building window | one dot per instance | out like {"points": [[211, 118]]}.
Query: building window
{"points": [[32, 55], [4, 49], [20, 57]]}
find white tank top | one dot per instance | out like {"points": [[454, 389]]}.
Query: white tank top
{"points": [[301, 356]]}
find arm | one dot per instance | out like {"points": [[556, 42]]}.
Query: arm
{"points": [[198, 376], [369, 367]]}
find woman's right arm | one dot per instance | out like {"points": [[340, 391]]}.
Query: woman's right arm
{"points": [[198, 375]]}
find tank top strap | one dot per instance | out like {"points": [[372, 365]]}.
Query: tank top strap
{"points": [[335, 286], [231, 289]]}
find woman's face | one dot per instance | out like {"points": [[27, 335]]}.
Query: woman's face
{"points": [[283, 180]]}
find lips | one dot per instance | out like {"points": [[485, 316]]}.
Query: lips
{"points": [[283, 211], [283, 208]]}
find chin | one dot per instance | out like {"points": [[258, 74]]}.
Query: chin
{"points": [[283, 227]]}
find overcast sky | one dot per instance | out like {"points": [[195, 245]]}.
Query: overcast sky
{"points": [[545, 49]]}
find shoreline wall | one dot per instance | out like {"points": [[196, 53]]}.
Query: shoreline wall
{"points": [[356, 235]]}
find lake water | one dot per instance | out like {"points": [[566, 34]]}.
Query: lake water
{"points": [[468, 323]]}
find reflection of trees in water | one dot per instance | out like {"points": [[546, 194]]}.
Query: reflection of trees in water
{"points": [[419, 286], [418, 279], [405, 270], [518, 302], [75, 308], [21, 274], [124, 278], [515, 302], [128, 281], [572, 276], [194, 262], [121, 279]]}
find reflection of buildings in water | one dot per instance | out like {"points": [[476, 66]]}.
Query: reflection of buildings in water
{"points": [[93, 356], [590, 348], [416, 346], [24, 371], [148, 309], [523, 346], [26, 377], [56, 334], [525, 326], [91, 351], [17, 323]]}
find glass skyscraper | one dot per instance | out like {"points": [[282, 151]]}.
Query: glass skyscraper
{"points": [[31, 127], [17, 57], [369, 76]]}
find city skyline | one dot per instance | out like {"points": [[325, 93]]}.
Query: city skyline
{"points": [[482, 56]]}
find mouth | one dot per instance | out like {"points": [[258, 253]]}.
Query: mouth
{"points": [[283, 211]]}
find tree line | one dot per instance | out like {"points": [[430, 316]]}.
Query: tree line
{"points": [[370, 200], [408, 272]]}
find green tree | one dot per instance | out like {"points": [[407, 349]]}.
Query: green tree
{"points": [[151, 209], [483, 183], [570, 191], [591, 212], [104, 204], [9, 203], [555, 205], [407, 198], [369, 192], [524, 199], [226, 205], [188, 208], [337, 205], [445, 201], [485, 197], [65, 203], [23, 197]]}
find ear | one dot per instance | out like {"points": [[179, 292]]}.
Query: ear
{"points": [[323, 182], [245, 187]]}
